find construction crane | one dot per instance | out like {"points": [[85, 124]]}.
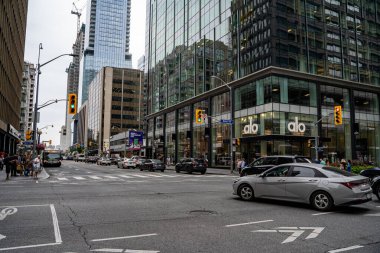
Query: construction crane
{"points": [[77, 12]]}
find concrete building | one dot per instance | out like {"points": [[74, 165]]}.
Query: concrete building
{"points": [[72, 88], [114, 106], [12, 43], [27, 98], [106, 39], [285, 64]]}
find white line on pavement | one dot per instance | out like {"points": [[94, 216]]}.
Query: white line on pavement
{"points": [[125, 176], [108, 250], [124, 237], [79, 178], [152, 175], [248, 223], [134, 175], [62, 178], [94, 177], [345, 249], [30, 246], [111, 177], [372, 214], [27, 206], [316, 214], [57, 233]]}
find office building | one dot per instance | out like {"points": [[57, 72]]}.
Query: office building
{"points": [[27, 97], [287, 65], [114, 106], [12, 43], [106, 39]]}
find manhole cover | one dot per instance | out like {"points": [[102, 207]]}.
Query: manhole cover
{"points": [[202, 212]]}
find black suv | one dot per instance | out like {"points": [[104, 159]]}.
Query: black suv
{"points": [[191, 165], [262, 164]]}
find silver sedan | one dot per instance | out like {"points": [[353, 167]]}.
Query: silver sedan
{"points": [[315, 184]]}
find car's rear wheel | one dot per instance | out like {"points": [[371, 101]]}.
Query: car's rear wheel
{"points": [[177, 170], [322, 201], [246, 192], [162, 170], [203, 172]]}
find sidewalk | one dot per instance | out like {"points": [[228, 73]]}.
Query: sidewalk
{"points": [[42, 175], [214, 171]]}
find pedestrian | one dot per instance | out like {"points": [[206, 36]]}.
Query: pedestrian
{"points": [[14, 167], [36, 166], [349, 166], [321, 161], [243, 163], [1, 161], [343, 164], [238, 165]]}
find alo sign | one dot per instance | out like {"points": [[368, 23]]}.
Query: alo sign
{"points": [[251, 128], [296, 127]]}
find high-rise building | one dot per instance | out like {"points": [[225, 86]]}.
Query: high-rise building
{"points": [[285, 64], [27, 96], [114, 106], [12, 43], [73, 87], [106, 39]]}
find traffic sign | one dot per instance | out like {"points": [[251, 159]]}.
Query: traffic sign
{"points": [[226, 121]]}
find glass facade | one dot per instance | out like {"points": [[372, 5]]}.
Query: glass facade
{"points": [[287, 64], [107, 38]]}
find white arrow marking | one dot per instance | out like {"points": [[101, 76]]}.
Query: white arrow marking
{"points": [[2, 236], [108, 250], [294, 236]]}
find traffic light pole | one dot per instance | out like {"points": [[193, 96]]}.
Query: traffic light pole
{"points": [[316, 138]]}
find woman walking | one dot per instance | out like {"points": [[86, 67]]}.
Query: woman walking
{"points": [[36, 166]]}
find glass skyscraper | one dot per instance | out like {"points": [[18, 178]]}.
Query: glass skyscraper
{"points": [[106, 39], [287, 64]]}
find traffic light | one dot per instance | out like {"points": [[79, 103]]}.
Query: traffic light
{"points": [[49, 142], [64, 131], [238, 142], [72, 103], [309, 143], [28, 134], [338, 115], [198, 116]]}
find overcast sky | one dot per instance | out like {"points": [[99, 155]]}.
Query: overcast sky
{"points": [[51, 23]]}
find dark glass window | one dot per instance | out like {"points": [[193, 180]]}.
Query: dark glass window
{"points": [[278, 172], [302, 172], [282, 160]]}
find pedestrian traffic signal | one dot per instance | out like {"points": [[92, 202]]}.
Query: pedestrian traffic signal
{"points": [[72, 103], [338, 117], [198, 116]]}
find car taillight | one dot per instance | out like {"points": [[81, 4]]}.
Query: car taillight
{"points": [[350, 184]]}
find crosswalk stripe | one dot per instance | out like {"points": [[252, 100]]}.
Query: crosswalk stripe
{"points": [[139, 176], [62, 178], [125, 176], [79, 178], [94, 177], [111, 177], [163, 175], [151, 175]]}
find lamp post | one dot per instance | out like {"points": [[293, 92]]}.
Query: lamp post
{"points": [[37, 89], [231, 125], [39, 131]]}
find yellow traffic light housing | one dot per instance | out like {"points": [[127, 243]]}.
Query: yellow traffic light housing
{"points": [[198, 116], [72, 103], [338, 115], [28, 134]]}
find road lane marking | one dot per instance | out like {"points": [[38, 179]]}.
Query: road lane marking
{"points": [[372, 214], [248, 223], [125, 176], [139, 176], [316, 214], [296, 232], [151, 175], [30, 246], [62, 178], [79, 178], [346, 249], [108, 250], [57, 233], [94, 177], [125, 251], [123, 237], [111, 177]]}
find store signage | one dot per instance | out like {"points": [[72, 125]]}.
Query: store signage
{"points": [[296, 127], [251, 128]]}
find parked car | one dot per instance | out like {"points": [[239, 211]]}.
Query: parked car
{"points": [[374, 177], [129, 164], [120, 162], [91, 159], [140, 161], [316, 184], [191, 165], [70, 157], [152, 165], [260, 165], [114, 160], [103, 161], [80, 158]]}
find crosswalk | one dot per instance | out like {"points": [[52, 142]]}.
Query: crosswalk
{"points": [[71, 178]]}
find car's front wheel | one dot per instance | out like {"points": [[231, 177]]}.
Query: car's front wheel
{"points": [[322, 201], [246, 192]]}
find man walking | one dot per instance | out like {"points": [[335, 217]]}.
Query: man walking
{"points": [[1, 161]]}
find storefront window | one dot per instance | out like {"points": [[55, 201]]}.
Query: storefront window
{"points": [[159, 138], [170, 137], [184, 134]]}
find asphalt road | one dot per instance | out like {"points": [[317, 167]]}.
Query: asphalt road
{"points": [[89, 208]]}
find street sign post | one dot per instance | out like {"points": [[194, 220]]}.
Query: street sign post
{"points": [[226, 121]]}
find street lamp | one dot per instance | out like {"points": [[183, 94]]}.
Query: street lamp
{"points": [[39, 131], [37, 89], [231, 125]]}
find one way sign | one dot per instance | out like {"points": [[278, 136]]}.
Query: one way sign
{"points": [[296, 232]]}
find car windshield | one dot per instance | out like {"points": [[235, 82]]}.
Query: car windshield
{"points": [[338, 172], [51, 156]]}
